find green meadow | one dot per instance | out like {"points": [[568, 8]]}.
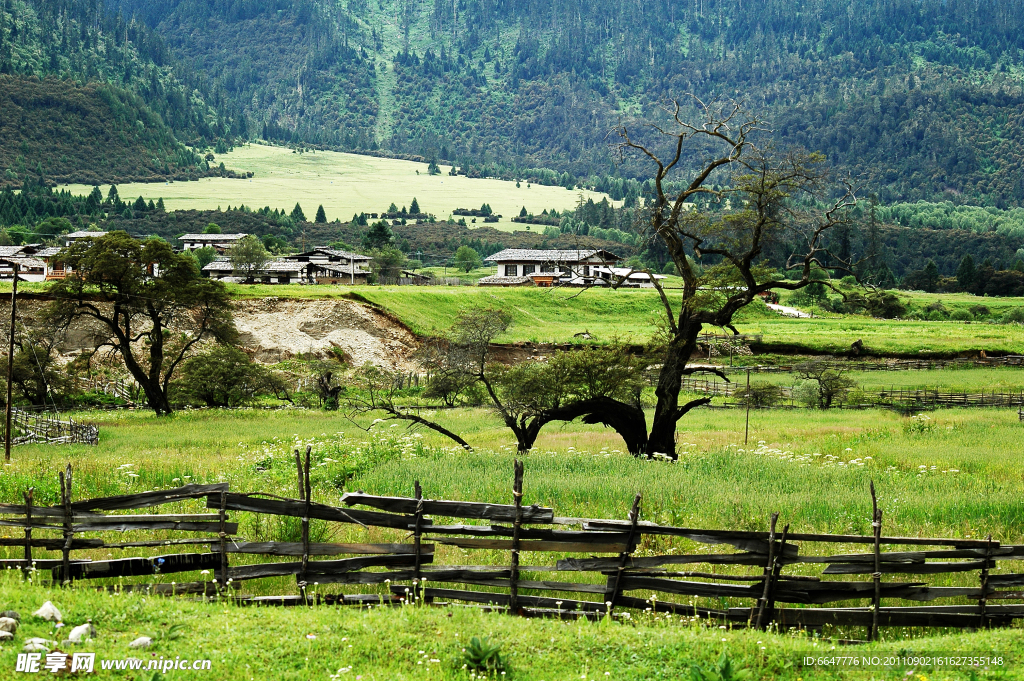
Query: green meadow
{"points": [[954, 474], [347, 184]]}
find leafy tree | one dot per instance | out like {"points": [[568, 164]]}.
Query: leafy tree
{"points": [[379, 235], [827, 383], [387, 262], [966, 273], [51, 228], [297, 213], [224, 376], [433, 168], [204, 256], [467, 259], [152, 320], [248, 256], [212, 228], [321, 216]]}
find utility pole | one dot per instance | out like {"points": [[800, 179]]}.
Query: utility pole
{"points": [[10, 364]]}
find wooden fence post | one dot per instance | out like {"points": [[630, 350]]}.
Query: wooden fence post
{"points": [[983, 601], [876, 576], [769, 606], [615, 580], [65, 491], [223, 582], [305, 491], [768, 567], [517, 499], [28, 494], [417, 536]]}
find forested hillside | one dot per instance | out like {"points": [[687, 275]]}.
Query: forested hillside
{"points": [[916, 99]]}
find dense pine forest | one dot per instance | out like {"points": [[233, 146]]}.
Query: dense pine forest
{"points": [[916, 100]]}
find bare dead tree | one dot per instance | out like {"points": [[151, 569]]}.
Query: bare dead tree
{"points": [[764, 194]]}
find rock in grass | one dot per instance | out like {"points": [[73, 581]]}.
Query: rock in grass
{"points": [[6, 636], [141, 642], [13, 614], [48, 612], [38, 645], [82, 632], [8, 624]]}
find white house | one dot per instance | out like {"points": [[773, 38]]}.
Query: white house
{"points": [[273, 272], [334, 266], [220, 242], [524, 266], [626, 277], [29, 269], [78, 236]]}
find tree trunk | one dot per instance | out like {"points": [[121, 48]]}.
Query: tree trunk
{"points": [[627, 420], [526, 433], [670, 380]]}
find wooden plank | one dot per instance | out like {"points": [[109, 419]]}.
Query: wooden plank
{"points": [[756, 542], [530, 533], [144, 518], [597, 564], [295, 509], [317, 568], [685, 588], [271, 548], [147, 499], [38, 563], [816, 617], [729, 536], [1006, 580], [54, 544], [506, 545], [1001, 553], [134, 567], [159, 542], [451, 509], [128, 526], [905, 568]]}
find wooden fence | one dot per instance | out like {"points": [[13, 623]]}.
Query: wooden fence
{"points": [[894, 397], [888, 365], [49, 428], [761, 582]]}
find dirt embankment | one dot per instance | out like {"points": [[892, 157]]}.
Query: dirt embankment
{"points": [[275, 329]]}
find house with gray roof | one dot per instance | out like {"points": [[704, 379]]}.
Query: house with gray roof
{"points": [[221, 242], [548, 267]]}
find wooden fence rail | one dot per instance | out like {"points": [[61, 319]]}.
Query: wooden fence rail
{"points": [[890, 570], [49, 428]]}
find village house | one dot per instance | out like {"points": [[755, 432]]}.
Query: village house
{"points": [[539, 267], [78, 236], [333, 266], [34, 262], [273, 272], [219, 242], [626, 277]]}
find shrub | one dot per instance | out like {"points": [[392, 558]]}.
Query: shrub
{"points": [[980, 311], [761, 394], [960, 315], [1014, 316], [224, 376], [483, 656], [936, 316]]}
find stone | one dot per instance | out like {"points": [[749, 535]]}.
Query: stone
{"points": [[141, 642], [6, 636], [82, 632], [38, 645], [8, 624], [13, 614], [48, 612]]}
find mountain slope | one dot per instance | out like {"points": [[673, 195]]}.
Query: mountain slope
{"points": [[918, 100]]}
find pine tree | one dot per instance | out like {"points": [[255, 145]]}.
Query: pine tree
{"points": [[297, 214], [966, 274], [414, 207], [321, 216]]}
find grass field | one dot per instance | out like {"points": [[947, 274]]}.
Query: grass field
{"points": [[346, 184], [956, 476]]}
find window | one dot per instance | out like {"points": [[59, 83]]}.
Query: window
{"points": [[510, 270], [565, 270], [529, 269], [586, 270], [547, 267]]}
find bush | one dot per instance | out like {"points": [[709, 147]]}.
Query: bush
{"points": [[936, 316], [1014, 316], [224, 376], [761, 394], [961, 315], [980, 311]]}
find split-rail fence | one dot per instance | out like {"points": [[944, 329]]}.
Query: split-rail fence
{"points": [[873, 581]]}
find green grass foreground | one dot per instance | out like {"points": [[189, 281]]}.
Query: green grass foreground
{"points": [[414, 642], [956, 473]]}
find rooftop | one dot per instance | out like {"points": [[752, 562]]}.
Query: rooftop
{"points": [[83, 235], [211, 237], [553, 255]]}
